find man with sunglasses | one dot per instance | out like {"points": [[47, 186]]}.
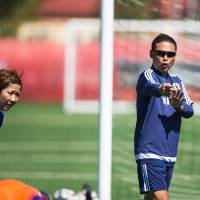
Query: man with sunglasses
{"points": [[162, 101]]}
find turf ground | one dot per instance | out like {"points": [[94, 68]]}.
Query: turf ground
{"points": [[44, 147]]}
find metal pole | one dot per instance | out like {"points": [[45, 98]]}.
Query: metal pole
{"points": [[106, 93]]}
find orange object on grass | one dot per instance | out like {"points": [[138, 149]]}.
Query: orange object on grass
{"points": [[11, 189]]}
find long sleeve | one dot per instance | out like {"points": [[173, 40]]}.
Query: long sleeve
{"points": [[187, 104], [147, 85]]}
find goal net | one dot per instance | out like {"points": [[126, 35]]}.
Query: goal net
{"points": [[132, 40]]}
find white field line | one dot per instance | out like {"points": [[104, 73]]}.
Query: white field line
{"points": [[49, 146], [48, 175], [47, 158]]}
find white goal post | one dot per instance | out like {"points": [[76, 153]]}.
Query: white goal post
{"points": [[73, 30]]}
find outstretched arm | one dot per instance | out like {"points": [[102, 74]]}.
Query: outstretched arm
{"points": [[149, 87]]}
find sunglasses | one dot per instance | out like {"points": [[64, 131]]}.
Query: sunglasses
{"points": [[169, 54]]}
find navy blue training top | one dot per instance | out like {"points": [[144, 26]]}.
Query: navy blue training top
{"points": [[158, 123]]}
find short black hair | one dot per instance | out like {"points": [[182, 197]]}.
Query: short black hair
{"points": [[161, 38]]}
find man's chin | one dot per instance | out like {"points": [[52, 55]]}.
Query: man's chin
{"points": [[165, 70]]}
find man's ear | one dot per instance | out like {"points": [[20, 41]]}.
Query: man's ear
{"points": [[151, 53]]}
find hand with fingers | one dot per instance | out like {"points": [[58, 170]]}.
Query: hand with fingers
{"points": [[176, 97], [165, 89]]}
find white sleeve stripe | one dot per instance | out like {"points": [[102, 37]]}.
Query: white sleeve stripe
{"points": [[148, 75], [188, 101]]}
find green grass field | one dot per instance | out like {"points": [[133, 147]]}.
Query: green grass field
{"points": [[46, 148]]}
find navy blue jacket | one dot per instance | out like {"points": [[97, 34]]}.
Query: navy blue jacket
{"points": [[158, 123]]}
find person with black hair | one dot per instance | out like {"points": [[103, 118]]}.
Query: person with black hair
{"points": [[162, 101]]}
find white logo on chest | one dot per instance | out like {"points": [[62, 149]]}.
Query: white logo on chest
{"points": [[165, 100]]}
